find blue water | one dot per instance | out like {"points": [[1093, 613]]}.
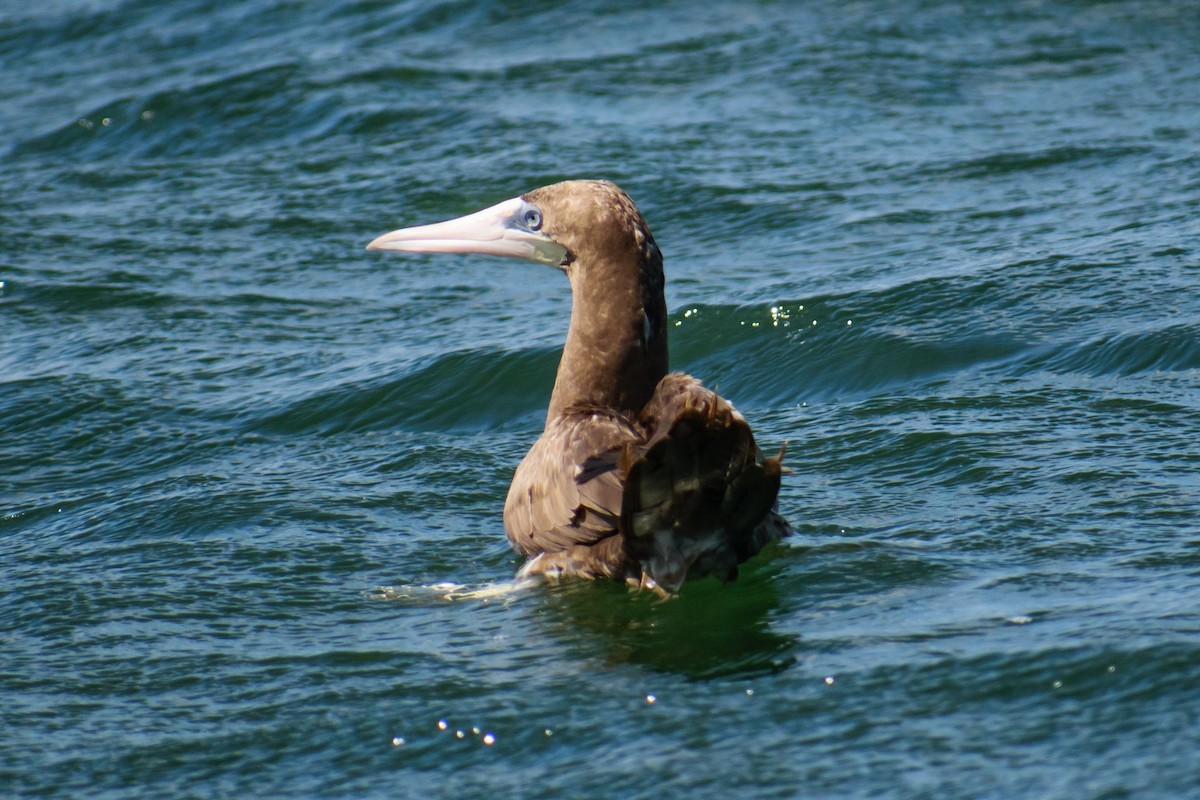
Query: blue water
{"points": [[251, 476]]}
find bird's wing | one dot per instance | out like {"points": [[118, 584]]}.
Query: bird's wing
{"points": [[697, 486], [567, 490]]}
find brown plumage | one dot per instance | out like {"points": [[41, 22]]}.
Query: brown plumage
{"points": [[639, 475]]}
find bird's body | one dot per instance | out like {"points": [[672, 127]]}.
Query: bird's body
{"points": [[639, 475]]}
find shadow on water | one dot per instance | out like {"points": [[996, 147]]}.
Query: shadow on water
{"points": [[710, 631]]}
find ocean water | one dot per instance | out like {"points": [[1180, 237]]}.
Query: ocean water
{"points": [[251, 476]]}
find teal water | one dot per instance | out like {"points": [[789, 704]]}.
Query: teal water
{"points": [[251, 476]]}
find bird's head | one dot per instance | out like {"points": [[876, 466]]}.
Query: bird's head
{"points": [[563, 224]]}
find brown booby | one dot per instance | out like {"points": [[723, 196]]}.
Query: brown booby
{"points": [[640, 475]]}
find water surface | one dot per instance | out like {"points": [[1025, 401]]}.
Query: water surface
{"points": [[251, 476]]}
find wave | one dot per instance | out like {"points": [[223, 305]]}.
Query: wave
{"points": [[903, 339], [465, 390], [1002, 163], [830, 356], [247, 108], [1172, 348], [787, 354]]}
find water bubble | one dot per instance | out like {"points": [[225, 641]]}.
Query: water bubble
{"points": [[489, 739], [397, 741], [106, 121], [829, 680], [443, 725], [548, 731], [651, 699]]}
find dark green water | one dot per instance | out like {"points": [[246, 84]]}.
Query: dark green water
{"points": [[950, 254]]}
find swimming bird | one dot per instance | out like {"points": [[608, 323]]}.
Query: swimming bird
{"points": [[641, 474]]}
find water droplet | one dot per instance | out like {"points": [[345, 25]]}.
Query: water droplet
{"points": [[489, 739], [651, 699], [397, 741], [459, 735], [106, 121], [1057, 684], [442, 724], [750, 693], [147, 115], [849, 322], [829, 679], [1112, 667]]}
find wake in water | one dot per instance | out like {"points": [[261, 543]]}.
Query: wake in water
{"points": [[448, 591]]}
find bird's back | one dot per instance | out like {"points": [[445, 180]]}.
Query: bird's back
{"points": [[677, 492]]}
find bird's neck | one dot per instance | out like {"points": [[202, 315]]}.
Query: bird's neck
{"points": [[616, 350]]}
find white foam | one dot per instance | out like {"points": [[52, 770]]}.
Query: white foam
{"points": [[450, 591]]}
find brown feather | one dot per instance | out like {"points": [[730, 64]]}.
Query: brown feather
{"points": [[687, 469]]}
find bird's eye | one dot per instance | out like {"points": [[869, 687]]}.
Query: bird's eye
{"points": [[533, 219]]}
